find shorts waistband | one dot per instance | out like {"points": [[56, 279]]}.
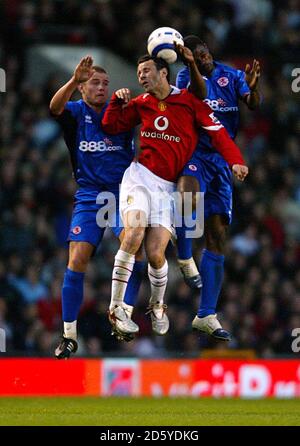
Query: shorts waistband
{"points": [[157, 178]]}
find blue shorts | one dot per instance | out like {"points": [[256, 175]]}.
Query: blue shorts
{"points": [[215, 179], [91, 218]]}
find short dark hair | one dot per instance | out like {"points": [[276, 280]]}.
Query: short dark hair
{"points": [[159, 62], [192, 42], [99, 69]]}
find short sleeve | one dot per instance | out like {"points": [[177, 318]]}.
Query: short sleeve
{"points": [[74, 108], [183, 78]]}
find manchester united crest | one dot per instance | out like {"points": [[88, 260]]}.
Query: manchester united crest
{"points": [[162, 106]]}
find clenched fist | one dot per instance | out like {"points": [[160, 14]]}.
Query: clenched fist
{"points": [[239, 171]]}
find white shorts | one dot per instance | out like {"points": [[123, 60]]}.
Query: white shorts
{"points": [[142, 190]]}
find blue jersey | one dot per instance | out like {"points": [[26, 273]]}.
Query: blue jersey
{"points": [[225, 87], [98, 159]]}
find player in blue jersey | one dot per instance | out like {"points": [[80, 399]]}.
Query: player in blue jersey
{"points": [[222, 87], [99, 161]]}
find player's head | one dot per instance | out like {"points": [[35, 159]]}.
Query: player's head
{"points": [[95, 91], [152, 72], [203, 58]]}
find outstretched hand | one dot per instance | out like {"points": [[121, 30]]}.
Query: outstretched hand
{"points": [[252, 74], [184, 52], [83, 72]]}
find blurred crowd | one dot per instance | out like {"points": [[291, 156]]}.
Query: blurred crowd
{"points": [[260, 301]]}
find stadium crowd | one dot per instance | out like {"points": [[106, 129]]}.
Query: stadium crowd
{"points": [[260, 302]]}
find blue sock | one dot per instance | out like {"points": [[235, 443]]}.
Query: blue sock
{"points": [[134, 283], [72, 295], [212, 272], [184, 245]]}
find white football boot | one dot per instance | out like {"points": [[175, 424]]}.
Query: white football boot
{"points": [[122, 326], [210, 325], [159, 318]]}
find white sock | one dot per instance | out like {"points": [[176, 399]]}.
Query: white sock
{"points": [[189, 267], [70, 330], [158, 279], [122, 270]]}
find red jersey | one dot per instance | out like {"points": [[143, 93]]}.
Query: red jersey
{"points": [[169, 130]]}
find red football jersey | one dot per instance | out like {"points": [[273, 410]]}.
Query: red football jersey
{"points": [[169, 130]]}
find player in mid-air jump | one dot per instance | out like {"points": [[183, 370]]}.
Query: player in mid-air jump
{"points": [[223, 87], [99, 161], [169, 119]]}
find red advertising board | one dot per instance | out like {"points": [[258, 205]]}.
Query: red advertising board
{"points": [[49, 377], [224, 378], [195, 378]]}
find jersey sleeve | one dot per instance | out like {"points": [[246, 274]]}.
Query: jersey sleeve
{"points": [[74, 108], [241, 85], [69, 117], [183, 78], [117, 118], [220, 138]]}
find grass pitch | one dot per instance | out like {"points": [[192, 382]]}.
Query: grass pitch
{"points": [[93, 411]]}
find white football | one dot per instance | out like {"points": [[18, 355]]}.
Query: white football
{"points": [[160, 43]]}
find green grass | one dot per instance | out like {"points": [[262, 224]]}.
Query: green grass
{"points": [[147, 411]]}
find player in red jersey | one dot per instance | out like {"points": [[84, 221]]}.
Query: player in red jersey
{"points": [[169, 120]]}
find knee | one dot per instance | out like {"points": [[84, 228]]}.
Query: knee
{"points": [[133, 239], [189, 201], [188, 187], [78, 262], [156, 257], [216, 239]]}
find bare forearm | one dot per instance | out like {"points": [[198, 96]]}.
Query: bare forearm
{"points": [[253, 99], [62, 96], [198, 86]]}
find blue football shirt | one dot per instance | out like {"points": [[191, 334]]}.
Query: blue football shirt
{"points": [[98, 159], [225, 87]]}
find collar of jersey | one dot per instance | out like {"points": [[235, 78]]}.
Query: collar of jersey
{"points": [[174, 90], [91, 110], [218, 69]]}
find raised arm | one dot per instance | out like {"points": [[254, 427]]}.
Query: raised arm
{"points": [[82, 73], [121, 114], [221, 140], [197, 83], [252, 76]]}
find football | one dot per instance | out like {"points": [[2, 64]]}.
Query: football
{"points": [[160, 43]]}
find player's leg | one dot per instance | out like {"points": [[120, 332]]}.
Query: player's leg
{"points": [[72, 295], [84, 236], [186, 261], [212, 272], [134, 230], [134, 209], [218, 216], [156, 241], [135, 280]]}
